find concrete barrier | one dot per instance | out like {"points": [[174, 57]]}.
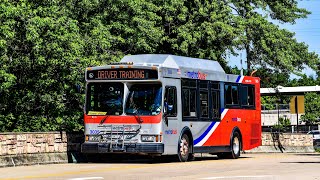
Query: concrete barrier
{"points": [[38, 148], [60, 147], [285, 143]]}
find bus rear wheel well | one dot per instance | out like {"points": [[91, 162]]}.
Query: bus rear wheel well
{"points": [[236, 129]]}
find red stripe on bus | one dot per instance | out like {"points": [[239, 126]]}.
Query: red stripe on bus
{"points": [[123, 119]]}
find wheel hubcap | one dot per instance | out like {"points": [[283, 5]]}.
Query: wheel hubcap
{"points": [[184, 147], [236, 145]]}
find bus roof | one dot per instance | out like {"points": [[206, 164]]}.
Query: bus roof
{"points": [[175, 62], [171, 66]]}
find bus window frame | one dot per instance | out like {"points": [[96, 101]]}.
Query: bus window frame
{"points": [[231, 106], [204, 89], [166, 95], [218, 103], [202, 86], [252, 87], [240, 88], [185, 85]]}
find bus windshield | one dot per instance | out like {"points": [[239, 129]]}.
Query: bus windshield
{"points": [[105, 98], [144, 99]]}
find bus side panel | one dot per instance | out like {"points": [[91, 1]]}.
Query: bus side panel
{"points": [[241, 119], [205, 133], [247, 120], [231, 118]]}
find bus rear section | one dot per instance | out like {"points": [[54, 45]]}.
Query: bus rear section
{"points": [[222, 115]]}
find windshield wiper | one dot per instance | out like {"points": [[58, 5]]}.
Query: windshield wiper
{"points": [[103, 120], [137, 116]]}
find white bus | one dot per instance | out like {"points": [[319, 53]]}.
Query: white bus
{"points": [[166, 104]]}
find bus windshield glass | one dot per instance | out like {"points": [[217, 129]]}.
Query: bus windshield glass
{"points": [[105, 98], [144, 99]]}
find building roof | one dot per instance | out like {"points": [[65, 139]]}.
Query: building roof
{"points": [[289, 90]]}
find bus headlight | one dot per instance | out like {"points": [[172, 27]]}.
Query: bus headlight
{"points": [[94, 138], [148, 138]]}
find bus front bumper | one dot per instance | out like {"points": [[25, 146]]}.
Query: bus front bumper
{"points": [[149, 148]]}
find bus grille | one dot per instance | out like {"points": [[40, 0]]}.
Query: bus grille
{"points": [[116, 135]]}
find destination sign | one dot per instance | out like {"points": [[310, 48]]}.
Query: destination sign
{"points": [[122, 74]]}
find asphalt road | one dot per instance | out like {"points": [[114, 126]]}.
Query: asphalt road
{"points": [[249, 166]]}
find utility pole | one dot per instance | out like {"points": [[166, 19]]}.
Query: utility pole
{"points": [[297, 111], [241, 71]]}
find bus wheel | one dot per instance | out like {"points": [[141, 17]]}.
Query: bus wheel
{"points": [[184, 148], [235, 146]]}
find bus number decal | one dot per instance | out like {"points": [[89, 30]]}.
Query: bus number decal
{"points": [[94, 131]]}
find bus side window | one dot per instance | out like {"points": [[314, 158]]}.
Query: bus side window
{"points": [[189, 97], [247, 96], [170, 101], [215, 104], [231, 95]]}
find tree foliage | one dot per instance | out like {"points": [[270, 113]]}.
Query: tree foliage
{"points": [[312, 108], [41, 55], [202, 29], [46, 45], [266, 45]]}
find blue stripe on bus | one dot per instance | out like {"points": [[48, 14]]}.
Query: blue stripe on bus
{"points": [[238, 79], [204, 134]]}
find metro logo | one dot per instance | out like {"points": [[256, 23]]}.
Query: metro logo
{"points": [[171, 131], [196, 75]]}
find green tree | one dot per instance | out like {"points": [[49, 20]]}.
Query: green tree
{"points": [[201, 29], [304, 80], [41, 50], [282, 125], [46, 45], [312, 108], [265, 43], [112, 29]]}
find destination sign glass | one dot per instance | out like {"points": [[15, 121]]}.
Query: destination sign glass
{"points": [[122, 74]]}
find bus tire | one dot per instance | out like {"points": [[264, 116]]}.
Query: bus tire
{"points": [[184, 148], [235, 145]]}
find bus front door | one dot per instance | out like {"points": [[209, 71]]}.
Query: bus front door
{"points": [[171, 124]]}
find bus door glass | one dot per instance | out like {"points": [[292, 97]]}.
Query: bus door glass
{"points": [[171, 130]]}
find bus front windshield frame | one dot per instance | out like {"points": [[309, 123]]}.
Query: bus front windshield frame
{"points": [[144, 99], [105, 98]]}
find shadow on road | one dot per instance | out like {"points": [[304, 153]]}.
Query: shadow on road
{"points": [[309, 154], [311, 162], [306, 162], [141, 159]]}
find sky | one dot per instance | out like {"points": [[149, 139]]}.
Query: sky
{"points": [[307, 30]]}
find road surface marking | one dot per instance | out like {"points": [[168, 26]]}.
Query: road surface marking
{"points": [[236, 177], [86, 178]]}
